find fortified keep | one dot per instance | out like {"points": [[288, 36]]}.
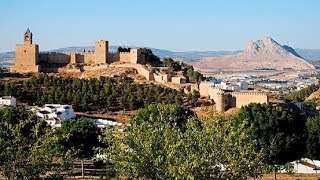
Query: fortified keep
{"points": [[27, 55], [28, 59]]}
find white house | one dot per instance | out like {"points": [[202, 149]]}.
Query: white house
{"points": [[102, 123], [305, 166], [235, 85], [54, 122], [55, 113], [8, 101]]}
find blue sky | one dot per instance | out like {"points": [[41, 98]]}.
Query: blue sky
{"points": [[178, 25]]}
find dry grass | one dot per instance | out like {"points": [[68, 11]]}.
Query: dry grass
{"points": [[314, 95], [119, 116], [295, 176]]}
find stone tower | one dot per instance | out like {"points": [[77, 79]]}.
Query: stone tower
{"points": [[101, 52], [27, 55], [28, 37], [136, 56], [220, 102]]}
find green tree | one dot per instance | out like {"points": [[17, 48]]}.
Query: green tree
{"points": [[171, 64], [150, 57], [172, 114], [280, 131], [27, 145], [156, 147], [302, 94], [313, 140], [79, 138]]}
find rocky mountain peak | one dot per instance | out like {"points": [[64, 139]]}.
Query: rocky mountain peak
{"points": [[267, 45], [259, 54]]}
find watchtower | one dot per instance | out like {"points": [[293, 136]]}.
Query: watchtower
{"points": [[101, 52], [220, 102], [27, 55]]}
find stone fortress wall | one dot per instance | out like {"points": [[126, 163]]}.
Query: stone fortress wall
{"points": [[245, 98], [28, 59], [225, 99]]}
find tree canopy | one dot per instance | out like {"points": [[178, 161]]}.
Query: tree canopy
{"points": [[96, 94], [80, 137], [313, 138], [188, 70], [150, 57], [27, 145], [155, 148], [280, 131], [302, 94]]}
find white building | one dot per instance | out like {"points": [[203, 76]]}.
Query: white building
{"points": [[233, 85], [305, 166], [54, 122], [55, 113], [102, 123], [8, 101]]}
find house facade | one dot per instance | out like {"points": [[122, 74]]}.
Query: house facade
{"points": [[8, 101]]}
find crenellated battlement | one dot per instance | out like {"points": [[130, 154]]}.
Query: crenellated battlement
{"points": [[254, 93], [27, 56], [124, 52], [224, 99]]}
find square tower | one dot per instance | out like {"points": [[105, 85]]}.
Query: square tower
{"points": [[27, 56], [102, 48]]}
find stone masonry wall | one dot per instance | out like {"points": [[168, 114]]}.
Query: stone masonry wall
{"points": [[54, 58], [245, 98], [27, 54]]}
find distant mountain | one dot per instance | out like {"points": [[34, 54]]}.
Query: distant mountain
{"points": [[187, 55], [291, 50], [159, 52], [6, 59], [310, 55], [260, 54]]}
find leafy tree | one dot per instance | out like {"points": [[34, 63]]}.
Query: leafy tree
{"points": [[279, 131], [309, 105], [79, 138], [156, 147], [27, 146], [174, 115], [150, 57], [123, 49], [171, 64], [302, 94], [90, 94], [313, 140]]}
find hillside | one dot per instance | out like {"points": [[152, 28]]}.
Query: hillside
{"points": [[260, 54]]}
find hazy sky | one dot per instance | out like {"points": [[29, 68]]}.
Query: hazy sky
{"points": [[178, 25]]}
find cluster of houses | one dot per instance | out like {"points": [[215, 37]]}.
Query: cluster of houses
{"points": [[55, 114]]}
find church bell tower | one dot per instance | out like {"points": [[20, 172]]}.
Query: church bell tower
{"points": [[28, 37]]}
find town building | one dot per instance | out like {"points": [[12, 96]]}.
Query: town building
{"points": [[8, 101], [233, 85], [103, 123], [55, 113]]}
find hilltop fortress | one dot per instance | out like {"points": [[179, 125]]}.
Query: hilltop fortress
{"points": [[28, 59]]}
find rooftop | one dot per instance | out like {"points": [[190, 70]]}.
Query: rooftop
{"points": [[7, 97]]}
